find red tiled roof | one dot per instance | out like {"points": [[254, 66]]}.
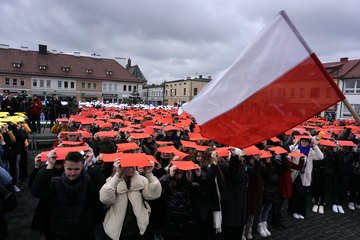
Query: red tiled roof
{"points": [[31, 60], [342, 67]]}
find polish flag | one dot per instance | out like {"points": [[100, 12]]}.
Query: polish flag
{"points": [[275, 84]]}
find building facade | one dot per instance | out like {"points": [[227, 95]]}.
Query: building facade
{"points": [[45, 73], [346, 73], [181, 91], [154, 94]]}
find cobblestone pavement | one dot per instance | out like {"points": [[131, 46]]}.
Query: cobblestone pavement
{"points": [[314, 226]]}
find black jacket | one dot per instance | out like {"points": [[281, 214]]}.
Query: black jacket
{"points": [[235, 208], [73, 205]]}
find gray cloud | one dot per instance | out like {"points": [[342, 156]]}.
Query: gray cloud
{"points": [[171, 39]]}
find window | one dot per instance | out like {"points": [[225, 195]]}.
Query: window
{"points": [[72, 84], [184, 91], [346, 112], [89, 85], [108, 72], [124, 88], [42, 66], [94, 85], [88, 70], [104, 86], [134, 88], [110, 87], [48, 83], [17, 64], [302, 92], [66, 84], [175, 91], [59, 84], [15, 82], [352, 86], [7, 81], [82, 85], [66, 69], [22, 83], [34, 83], [129, 88], [115, 87], [41, 83], [195, 91]]}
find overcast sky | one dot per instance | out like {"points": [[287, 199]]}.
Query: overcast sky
{"points": [[173, 39]]}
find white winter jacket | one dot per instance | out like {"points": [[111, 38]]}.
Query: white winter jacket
{"points": [[314, 154], [115, 194]]}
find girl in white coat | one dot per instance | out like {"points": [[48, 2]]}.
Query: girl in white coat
{"points": [[125, 193], [308, 147]]}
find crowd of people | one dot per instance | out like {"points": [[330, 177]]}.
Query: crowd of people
{"points": [[135, 173]]}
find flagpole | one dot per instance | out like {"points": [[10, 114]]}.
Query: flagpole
{"points": [[352, 110]]}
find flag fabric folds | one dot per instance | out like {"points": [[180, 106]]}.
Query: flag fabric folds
{"points": [[275, 84]]}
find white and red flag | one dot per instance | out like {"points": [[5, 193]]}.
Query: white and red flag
{"points": [[275, 84]]}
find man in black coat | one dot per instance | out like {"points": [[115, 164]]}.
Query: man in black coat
{"points": [[73, 197], [10, 104], [54, 109]]}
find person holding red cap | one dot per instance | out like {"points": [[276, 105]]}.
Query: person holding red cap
{"points": [[297, 202], [125, 193]]}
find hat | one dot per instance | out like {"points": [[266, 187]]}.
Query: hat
{"points": [[296, 154], [188, 144], [173, 150], [222, 152], [109, 134], [265, 154], [139, 135], [61, 152], [185, 165], [278, 150], [127, 146], [127, 159], [346, 143], [327, 143]]}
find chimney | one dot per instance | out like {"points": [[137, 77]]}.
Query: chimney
{"points": [[188, 78], [42, 49], [128, 65], [344, 59], [200, 76]]}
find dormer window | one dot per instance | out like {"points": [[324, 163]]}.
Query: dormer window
{"points": [[108, 72], [66, 69], [17, 64], [42, 66], [88, 70]]}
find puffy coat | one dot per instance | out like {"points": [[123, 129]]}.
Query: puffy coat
{"points": [[314, 154], [116, 195]]}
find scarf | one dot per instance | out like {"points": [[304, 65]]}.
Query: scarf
{"points": [[304, 150]]}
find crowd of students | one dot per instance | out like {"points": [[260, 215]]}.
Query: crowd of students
{"points": [[135, 173]]}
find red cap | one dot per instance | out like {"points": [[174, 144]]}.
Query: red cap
{"points": [[222, 152], [139, 135], [127, 146], [265, 154], [109, 134], [278, 150], [188, 144], [296, 154], [327, 143], [71, 143], [346, 143], [252, 150], [185, 165]]}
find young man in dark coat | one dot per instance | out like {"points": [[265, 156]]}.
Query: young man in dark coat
{"points": [[73, 197]]}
